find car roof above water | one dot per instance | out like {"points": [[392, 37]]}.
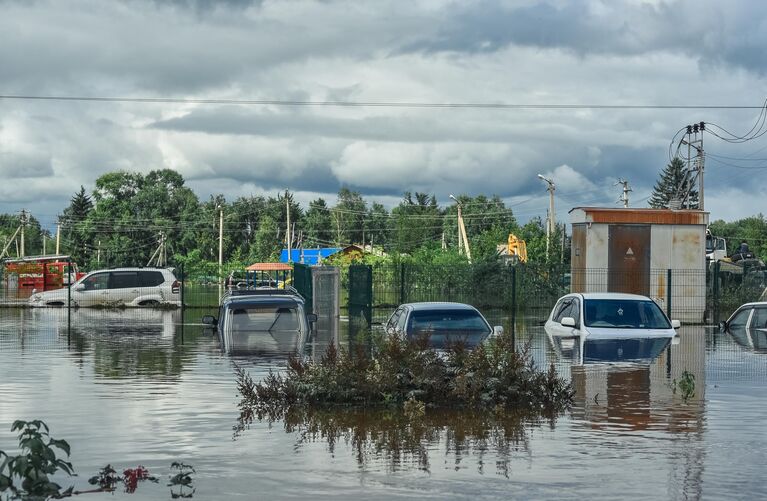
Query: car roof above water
{"points": [[612, 295], [438, 306], [262, 296]]}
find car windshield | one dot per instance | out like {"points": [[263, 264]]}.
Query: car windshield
{"points": [[624, 314], [263, 318], [446, 326]]}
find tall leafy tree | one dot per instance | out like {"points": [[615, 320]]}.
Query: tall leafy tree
{"points": [[377, 226], [674, 182], [77, 237], [317, 224], [418, 222], [267, 245], [348, 217]]}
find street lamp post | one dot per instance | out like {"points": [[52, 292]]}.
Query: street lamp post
{"points": [[462, 238], [550, 219]]}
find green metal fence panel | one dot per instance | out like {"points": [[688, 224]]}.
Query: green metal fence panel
{"points": [[361, 293], [302, 281]]}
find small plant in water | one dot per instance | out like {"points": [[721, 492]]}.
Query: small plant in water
{"points": [[181, 482], [686, 385], [106, 479], [37, 461]]}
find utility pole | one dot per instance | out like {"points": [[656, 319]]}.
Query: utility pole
{"points": [[58, 237], [693, 141], [43, 243], [288, 230], [23, 225], [462, 237], [98, 254], [625, 196], [551, 218]]}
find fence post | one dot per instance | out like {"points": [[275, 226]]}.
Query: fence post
{"points": [[514, 307], [69, 297], [182, 286], [715, 288], [402, 283], [668, 293]]}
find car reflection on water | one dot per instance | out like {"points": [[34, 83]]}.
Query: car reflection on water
{"points": [[582, 350]]}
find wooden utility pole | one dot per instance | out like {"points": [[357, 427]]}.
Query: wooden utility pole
{"points": [[221, 243], [58, 237], [23, 225], [551, 218]]}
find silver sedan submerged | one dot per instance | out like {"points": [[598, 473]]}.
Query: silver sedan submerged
{"points": [[612, 326]]}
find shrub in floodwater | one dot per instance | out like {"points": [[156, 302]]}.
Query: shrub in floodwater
{"points": [[107, 478], [686, 385], [492, 375], [37, 461]]}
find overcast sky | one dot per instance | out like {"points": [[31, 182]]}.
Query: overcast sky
{"points": [[702, 52]]}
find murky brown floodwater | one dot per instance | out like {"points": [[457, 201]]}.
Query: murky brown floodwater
{"points": [[136, 387]]}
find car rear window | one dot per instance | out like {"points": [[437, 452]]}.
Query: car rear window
{"points": [[624, 314], [264, 318], [151, 278], [454, 320], [123, 279], [444, 327]]}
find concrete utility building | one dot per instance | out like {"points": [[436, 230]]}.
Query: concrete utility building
{"points": [[631, 250]]}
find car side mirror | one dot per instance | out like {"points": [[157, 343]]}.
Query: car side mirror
{"points": [[723, 325], [676, 324], [209, 320], [567, 322], [311, 318], [80, 287], [498, 330]]}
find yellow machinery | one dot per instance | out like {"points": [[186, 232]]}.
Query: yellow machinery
{"points": [[516, 249]]}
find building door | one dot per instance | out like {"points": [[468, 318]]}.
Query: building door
{"points": [[628, 259]]}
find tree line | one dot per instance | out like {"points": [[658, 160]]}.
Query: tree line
{"points": [[120, 222]]}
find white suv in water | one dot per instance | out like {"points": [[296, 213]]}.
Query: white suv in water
{"points": [[117, 287]]}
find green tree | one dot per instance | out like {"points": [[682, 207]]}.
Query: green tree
{"points": [[348, 217], [267, 246], [417, 221], [673, 183], [377, 226], [317, 224]]}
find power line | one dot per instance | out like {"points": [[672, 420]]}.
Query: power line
{"points": [[379, 104]]}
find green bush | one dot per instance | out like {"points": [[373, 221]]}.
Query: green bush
{"points": [[493, 375]]}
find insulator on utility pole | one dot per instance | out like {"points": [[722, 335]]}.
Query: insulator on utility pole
{"points": [[626, 190]]}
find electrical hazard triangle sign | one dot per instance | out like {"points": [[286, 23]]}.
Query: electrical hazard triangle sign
{"points": [[629, 252]]}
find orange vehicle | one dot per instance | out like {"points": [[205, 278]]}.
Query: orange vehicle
{"points": [[41, 272]]}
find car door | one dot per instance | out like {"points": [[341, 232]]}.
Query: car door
{"points": [[151, 286], [95, 290], [123, 286]]}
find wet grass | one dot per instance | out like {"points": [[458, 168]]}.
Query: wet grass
{"points": [[408, 374]]}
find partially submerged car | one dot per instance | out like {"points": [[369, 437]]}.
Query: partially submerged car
{"points": [[116, 287], [748, 326], [611, 326], [265, 321], [443, 323]]}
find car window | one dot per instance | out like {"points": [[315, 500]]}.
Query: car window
{"points": [[97, 281], [401, 321], [575, 311], [556, 309], [759, 320], [445, 320], [563, 309], [123, 279], [151, 278], [741, 318], [263, 318], [624, 314], [393, 320]]}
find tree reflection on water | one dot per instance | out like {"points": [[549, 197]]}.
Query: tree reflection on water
{"points": [[400, 440]]}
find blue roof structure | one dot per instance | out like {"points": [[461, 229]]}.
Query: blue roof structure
{"points": [[307, 256]]}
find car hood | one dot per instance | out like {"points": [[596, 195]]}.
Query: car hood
{"points": [[613, 333], [48, 295]]}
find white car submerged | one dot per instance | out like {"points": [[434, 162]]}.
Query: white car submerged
{"points": [[118, 286], [612, 326]]}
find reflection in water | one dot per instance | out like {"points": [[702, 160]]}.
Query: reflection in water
{"points": [[753, 339], [401, 440]]}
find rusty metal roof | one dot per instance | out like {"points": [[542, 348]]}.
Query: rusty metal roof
{"points": [[636, 216]]}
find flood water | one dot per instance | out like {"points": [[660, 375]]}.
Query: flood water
{"points": [[135, 388]]}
